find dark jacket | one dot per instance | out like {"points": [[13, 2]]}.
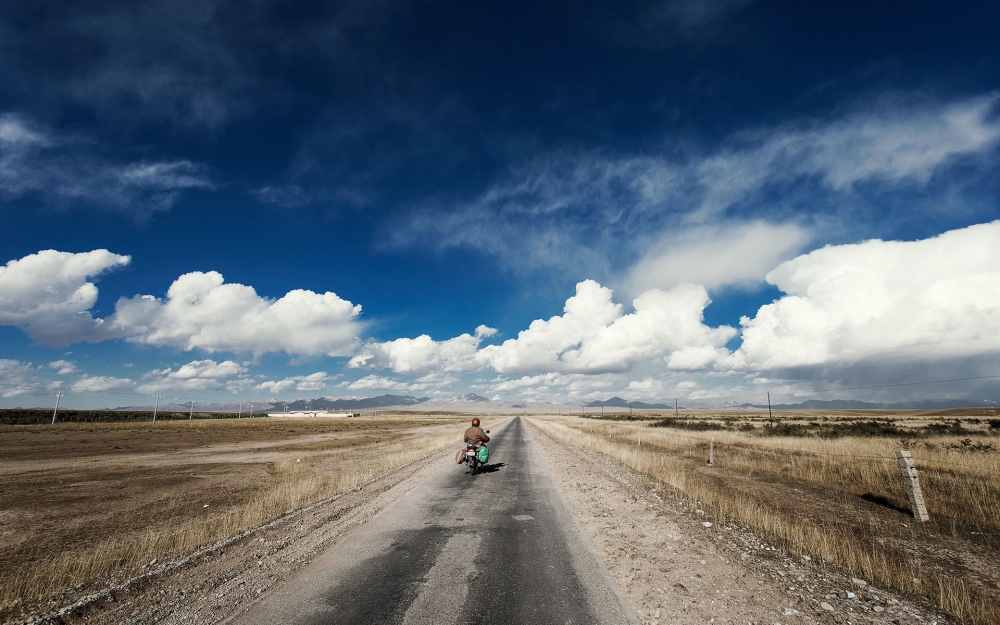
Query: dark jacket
{"points": [[474, 434]]}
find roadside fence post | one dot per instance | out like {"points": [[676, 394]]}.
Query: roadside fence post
{"points": [[909, 473], [58, 397]]}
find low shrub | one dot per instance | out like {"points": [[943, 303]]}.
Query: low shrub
{"points": [[685, 424], [966, 444]]}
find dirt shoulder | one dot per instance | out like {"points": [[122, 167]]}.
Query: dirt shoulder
{"points": [[673, 568], [217, 583], [87, 506]]}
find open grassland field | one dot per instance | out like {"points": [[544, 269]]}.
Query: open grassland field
{"points": [[35, 416], [827, 486], [87, 505]]}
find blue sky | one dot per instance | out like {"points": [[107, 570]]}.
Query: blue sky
{"points": [[527, 201]]}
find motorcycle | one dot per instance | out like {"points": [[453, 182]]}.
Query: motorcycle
{"points": [[472, 456]]}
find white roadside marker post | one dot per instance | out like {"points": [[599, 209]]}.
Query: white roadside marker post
{"points": [[638, 435], [58, 397], [909, 473]]}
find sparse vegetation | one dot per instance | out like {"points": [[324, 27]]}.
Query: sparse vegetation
{"points": [[33, 416], [912, 426], [837, 498], [148, 502]]}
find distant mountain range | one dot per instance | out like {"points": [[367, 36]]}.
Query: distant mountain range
{"points": [[853, 404], [618, 402], [472, 397], [477, 404], [353, 403]]}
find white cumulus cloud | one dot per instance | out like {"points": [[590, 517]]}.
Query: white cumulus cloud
{"points": [[201, 311], [422, 354], [313, 382], [197, 375], [931, 299], [49, 294], [101, 383], [377, 382], [209, 369], [593, 336], [64, 367]]}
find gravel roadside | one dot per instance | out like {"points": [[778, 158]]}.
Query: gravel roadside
{"points": [[673, 566], [216, 584], [667, 564]]}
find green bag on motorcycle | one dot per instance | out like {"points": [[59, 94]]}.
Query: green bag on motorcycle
{"points": [[482, 454]]}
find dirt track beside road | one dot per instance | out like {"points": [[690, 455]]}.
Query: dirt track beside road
{"points": [[672, 569], [667, 565], [72, 495]]}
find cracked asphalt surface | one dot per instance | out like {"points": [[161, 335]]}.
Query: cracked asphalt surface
{"points": [[499, 547]]}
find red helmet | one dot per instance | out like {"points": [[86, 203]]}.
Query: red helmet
{"points": [[475, 422]]}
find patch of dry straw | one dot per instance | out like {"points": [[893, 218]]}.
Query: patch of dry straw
{"points": [[296, 481], [962, 487]]}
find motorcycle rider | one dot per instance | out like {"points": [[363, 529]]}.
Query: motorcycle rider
{"points": [[475, 436]]}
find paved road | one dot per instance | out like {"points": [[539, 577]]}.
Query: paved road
{"points": [[500, 547]]}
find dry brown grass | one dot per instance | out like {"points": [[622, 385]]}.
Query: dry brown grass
{"points": [[177, 522], [806, 495]]}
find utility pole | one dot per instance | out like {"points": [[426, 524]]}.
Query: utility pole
{"points": [[770, 417], [191, 416], [58, 397], [630, 409], [156, 407], [675, 406], [239, 414]]}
